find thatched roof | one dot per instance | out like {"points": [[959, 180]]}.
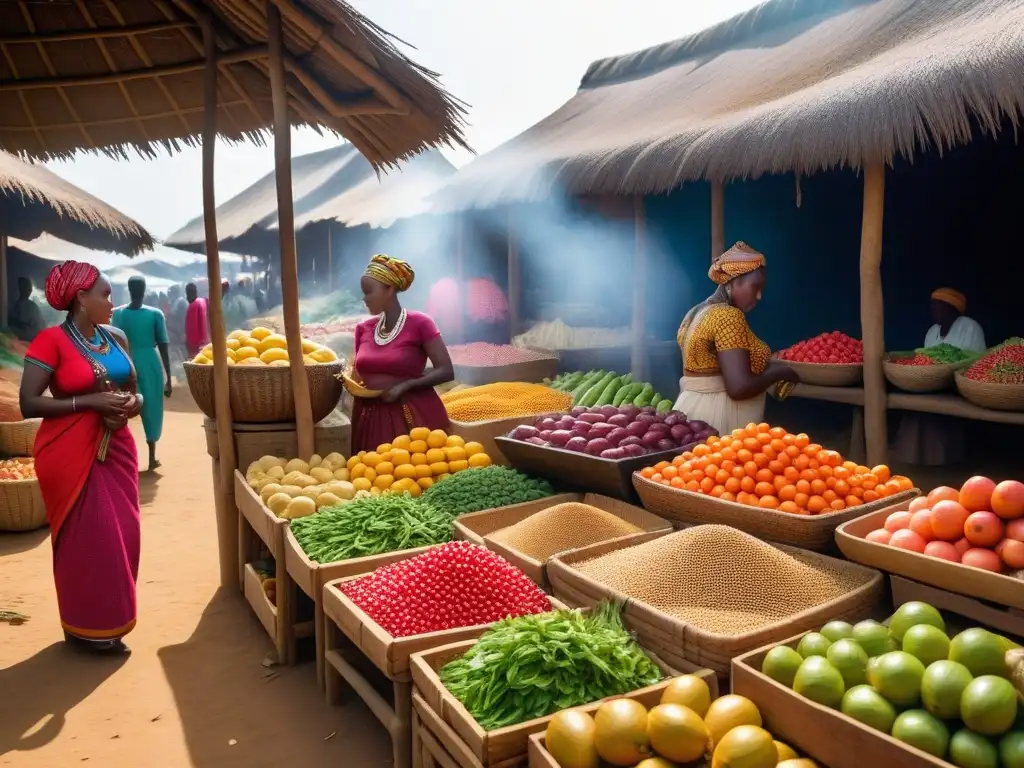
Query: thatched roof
{"points": [[160, 261], [792, 85], [336, 184], [109, 76], [34, 200]]}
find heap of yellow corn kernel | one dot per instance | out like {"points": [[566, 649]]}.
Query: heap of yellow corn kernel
{"points": [[504, 400], [414, 462]]}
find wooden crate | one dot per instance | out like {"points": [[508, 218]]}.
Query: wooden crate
{"points": [[436, 745], [253, 441], [537, 570], [676, 641], [996, 617], [310, 577], [484, 432], [819, 732], [462, 737], [388, 654], [473, 526], [962, 579]]}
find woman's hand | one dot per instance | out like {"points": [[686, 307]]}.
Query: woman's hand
{"points": [[114, 424], [106, 404], [395, 393], [133, 406]]}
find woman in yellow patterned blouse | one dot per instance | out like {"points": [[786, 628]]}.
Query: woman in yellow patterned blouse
{"points": [[726, 368]]}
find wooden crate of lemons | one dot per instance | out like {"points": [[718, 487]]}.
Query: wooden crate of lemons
{"points": [[261, 346], [414, 462], [293, 488]]}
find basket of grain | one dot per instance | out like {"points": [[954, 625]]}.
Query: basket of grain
{"points": [[918, 378], [829, 374], [262, 394], [17, 438], [21, 501], [709, 593]]}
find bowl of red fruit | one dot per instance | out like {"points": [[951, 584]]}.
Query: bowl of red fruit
{"points": [[828, 359]]}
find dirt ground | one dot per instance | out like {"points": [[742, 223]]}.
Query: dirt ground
{"points": [[194, 692]]}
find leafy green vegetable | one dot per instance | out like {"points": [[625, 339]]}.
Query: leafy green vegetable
{"points": [[370, 526], [946, 354], [533, 666], [486, 488]]}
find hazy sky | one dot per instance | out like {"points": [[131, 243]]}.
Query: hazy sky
{"points": [[513, 61]]}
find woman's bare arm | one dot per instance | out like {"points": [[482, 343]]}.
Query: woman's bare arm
{"points": [[36, 404], [741, 383]]}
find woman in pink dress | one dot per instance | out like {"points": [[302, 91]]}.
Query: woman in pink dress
{"points": [[391, 353]]}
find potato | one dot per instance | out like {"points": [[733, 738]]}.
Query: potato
{"points": [[291, 490], [336, 459], [269, 490], [341, 488], [254, 480], [327, 500], [297, 465], [255, 466], [278, 503], [264, 482], [314, 460], [321, 475], [276, 472], [311, 491], [267, 462], [341, 474], [301, 506]]}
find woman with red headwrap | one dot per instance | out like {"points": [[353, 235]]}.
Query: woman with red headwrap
{"points": [[85, 458]]}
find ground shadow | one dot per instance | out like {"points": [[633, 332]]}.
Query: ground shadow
{"points": [[14, 543], [148, 482], [39, 692], [235, 711]]}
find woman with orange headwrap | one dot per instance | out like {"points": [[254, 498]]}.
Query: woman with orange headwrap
{"points": [[950, 323], [391, 353], [726, 368], [85, 457]]}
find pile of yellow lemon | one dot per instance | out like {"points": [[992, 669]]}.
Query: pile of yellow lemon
{"points": [[261, 346], [414, 462]]}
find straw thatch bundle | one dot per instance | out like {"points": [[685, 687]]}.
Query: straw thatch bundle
{"points": [[33, 199], [792, 85], [108, 76], [336, 184]]}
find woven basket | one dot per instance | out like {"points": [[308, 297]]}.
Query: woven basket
{"points": [[263, 394], [828, 375], [17, 438], [998, 397], [919, 378], [812, 532], [21, 505]]}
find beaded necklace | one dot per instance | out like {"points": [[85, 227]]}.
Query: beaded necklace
{"points": [[380, 336]]}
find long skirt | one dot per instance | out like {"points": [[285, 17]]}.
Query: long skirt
{"points": [[375, 422], [96, 554], [150, 371], [705, 398]]}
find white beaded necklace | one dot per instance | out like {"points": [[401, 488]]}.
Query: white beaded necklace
{"points": [[382, 338]]}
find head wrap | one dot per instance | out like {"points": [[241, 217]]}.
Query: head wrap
{"points": [[66, 280], [737, 261], [952, 297], [390, 271]]}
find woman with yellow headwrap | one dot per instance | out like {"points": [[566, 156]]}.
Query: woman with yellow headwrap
{"points": [[391, 353], [726, 368]]}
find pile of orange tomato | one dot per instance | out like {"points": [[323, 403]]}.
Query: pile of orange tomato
{"points": [[765, 466]]}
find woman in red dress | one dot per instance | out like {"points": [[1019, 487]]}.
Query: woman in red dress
{"points": [[391, 353], [85, 458]]}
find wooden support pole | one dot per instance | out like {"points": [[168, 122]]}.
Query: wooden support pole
{"points": [[515, 281], [286, 228], [717, 219], [330, 261], [4, 301], [227, 512], [872, 321], [460, 277], [638, 360]]}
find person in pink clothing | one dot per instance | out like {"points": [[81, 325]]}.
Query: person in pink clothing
{"points": [[197, 324], [391, 353]]}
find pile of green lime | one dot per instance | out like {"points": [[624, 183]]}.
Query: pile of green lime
{"points": [[950, 697]]}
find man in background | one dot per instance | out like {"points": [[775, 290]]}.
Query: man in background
{"points": [[25, 318], [197, 324]]}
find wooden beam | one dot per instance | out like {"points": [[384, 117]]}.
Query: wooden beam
{"points": [[462, 305], [638, 358], [4, 308], [286, 230], [515, 280], [330, 261], [872, 320], [717, 219], [66, 35], [366, 105], [227, 517], [113, 78]]}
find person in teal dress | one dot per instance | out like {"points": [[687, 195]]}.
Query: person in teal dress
{"points": [[146, 329]]}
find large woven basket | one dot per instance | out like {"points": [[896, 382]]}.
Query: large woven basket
{"points": [[17, 438], [21, 505], [828, 375], [919, 378], [812, 532], [998, 397], [263, 394]]}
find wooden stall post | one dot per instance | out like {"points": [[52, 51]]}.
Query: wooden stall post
{"points": [[717, 219], [872, 322], [515, 277], [227, 512], [460, 277], [286, 228], [638, 358], [330, 261], [3, 281]]}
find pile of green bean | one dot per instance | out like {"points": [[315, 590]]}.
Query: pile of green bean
{"points": [[371, 526]]}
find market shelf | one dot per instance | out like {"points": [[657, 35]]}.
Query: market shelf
{"points": [[848, 395], [950, 405]]}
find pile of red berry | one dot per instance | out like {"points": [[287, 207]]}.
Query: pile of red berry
{"points": [[1003, 365], [455, 585], [916, 359], [833, 348]]}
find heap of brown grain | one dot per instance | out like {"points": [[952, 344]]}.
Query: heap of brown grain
{"points": [[560, 528], [723, 580]]}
